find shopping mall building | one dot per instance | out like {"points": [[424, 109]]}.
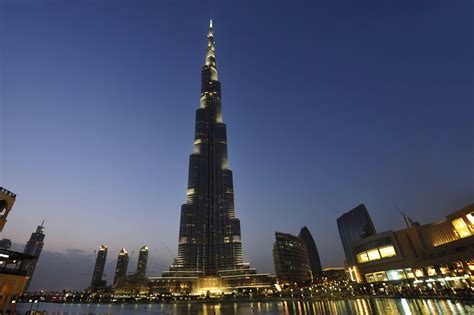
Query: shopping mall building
{"points": [[440, 252]]}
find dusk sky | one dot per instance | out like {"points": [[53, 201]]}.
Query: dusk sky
{"points": [[328, 104]]}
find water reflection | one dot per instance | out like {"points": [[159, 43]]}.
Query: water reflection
{"points": [[352, 306]]}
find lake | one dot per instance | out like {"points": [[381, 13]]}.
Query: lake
{"points": [[350, 306]]}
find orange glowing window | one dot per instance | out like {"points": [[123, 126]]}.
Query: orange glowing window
{"points": [[431, 271], [470, 264], [444, 270]]}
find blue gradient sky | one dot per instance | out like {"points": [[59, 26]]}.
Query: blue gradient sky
{"points": [[328, 104]]}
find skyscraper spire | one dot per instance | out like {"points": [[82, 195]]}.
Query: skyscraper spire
{"points": [[211, 51]]}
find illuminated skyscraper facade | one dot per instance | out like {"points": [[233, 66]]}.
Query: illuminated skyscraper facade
{"points": [[209, 236], [122, 265], [33, 247], [142, 261], [97, 282]]}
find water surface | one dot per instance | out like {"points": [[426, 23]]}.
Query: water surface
{"points": [[351, 306]]}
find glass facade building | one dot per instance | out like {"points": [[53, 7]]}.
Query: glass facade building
{"points": [[291, 260], [142, 261], [354, 226], [98, 273], [313, 254], [122, 265]]}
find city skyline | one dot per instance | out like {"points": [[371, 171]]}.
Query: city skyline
{"points": [[259, 188]]}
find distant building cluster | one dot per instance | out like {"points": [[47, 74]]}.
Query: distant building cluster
{"points": [[121, 278]]}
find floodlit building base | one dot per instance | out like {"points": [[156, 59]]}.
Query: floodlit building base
{"points": [[131, 285], [213, 285], [13, 280]]}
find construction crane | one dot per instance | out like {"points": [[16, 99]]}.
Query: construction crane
{"points": [[173, 258]]}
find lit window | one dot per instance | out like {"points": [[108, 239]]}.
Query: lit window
{"points": [[444, 269], [373, 254], [419, 273], [431, 271], [362, 257], [461, 228], [395, 274], [409, 273], [387, 251], [381, 276], [459, 267], [470, 264], [370, 277], [470, 217]]}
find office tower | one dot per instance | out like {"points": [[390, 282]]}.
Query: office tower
{"points": [[97, 282], [209, 235], [5, 243], [142, 261], [122, 265], [291, 260], [312, 250], [33, 247], [354, 226]]}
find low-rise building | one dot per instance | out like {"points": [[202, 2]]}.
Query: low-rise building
{"points": [[440, 253], [13, 279]]}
